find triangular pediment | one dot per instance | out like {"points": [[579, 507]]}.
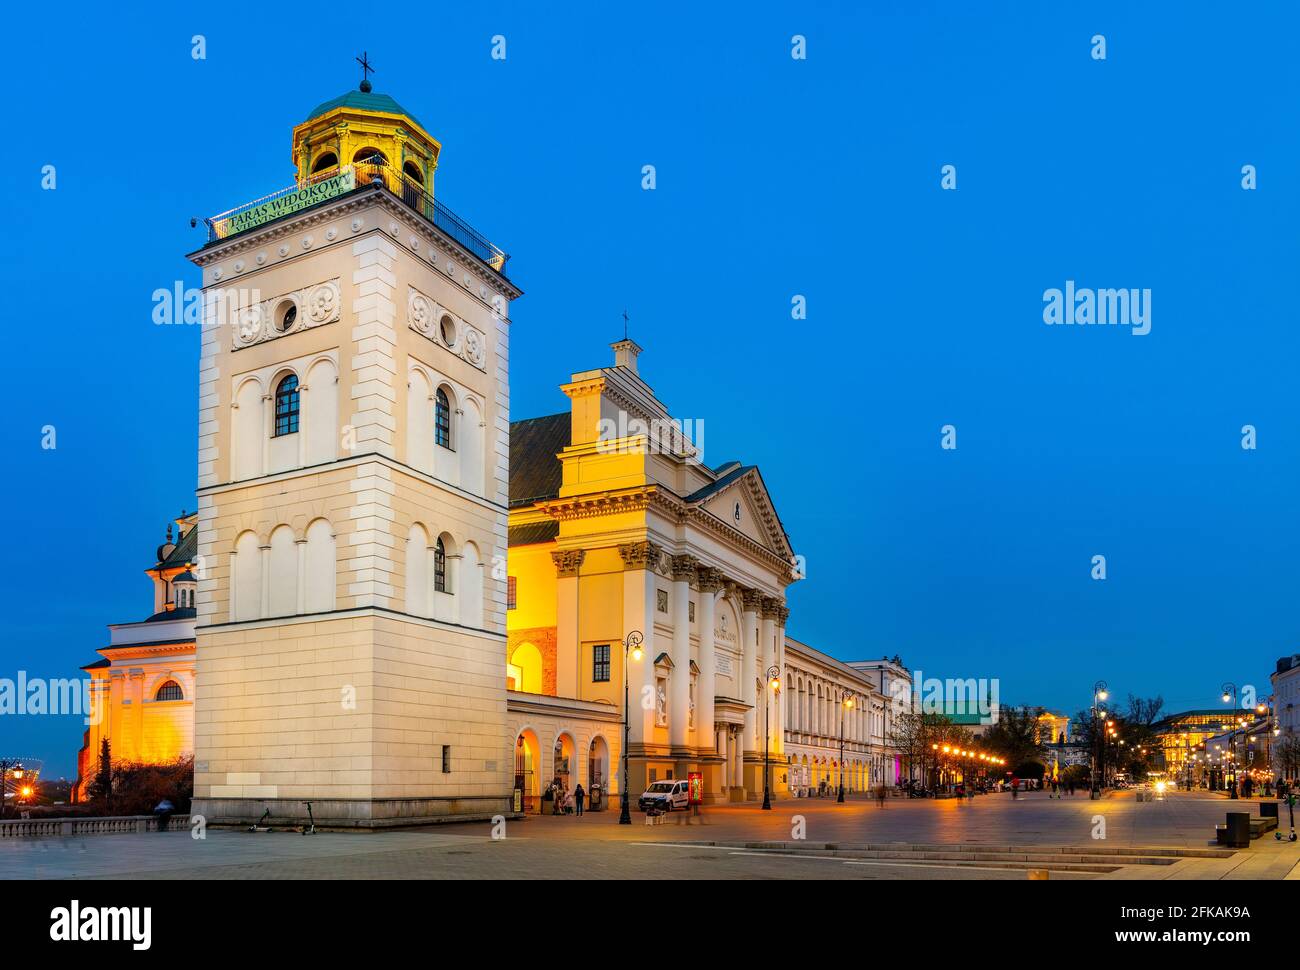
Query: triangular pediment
{"points": [[745, 504]]}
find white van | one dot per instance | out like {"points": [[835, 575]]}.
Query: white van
{"points": [[665, 796]]}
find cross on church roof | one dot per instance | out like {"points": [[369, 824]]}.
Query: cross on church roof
{"points": [[366, 71], [624, 324]]}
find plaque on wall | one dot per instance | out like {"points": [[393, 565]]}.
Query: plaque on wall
{"points": [[722, 664]]}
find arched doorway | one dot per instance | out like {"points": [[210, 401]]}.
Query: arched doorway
{"points": [[598, 777], [526, 770], [564, 765]]}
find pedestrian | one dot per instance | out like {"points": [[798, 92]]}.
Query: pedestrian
{"points": [[880, 796], [163, 812], [1015, 788], [579, 796]]}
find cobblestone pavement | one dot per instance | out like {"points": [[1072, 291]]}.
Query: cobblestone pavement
{"points": [[596, 847]]}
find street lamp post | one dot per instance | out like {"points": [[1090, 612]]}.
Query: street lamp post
{"points": [[632, 647], [1230, 697], [775, 683], [1099, 693], [846, 703]]}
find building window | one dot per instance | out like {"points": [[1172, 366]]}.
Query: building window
{"points": [[286, 406], [170, 691], [446, 759], [440, 567], [442, 419], [600, 663], [691, 610], [512, 592]]}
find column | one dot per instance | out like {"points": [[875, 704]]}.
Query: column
{"points": [[709, 582], [568, 650], [679, 681], [265, 553], [639, 561], [135, 678], [116, 682], [302, 575], [752, 602], [780, 614]]}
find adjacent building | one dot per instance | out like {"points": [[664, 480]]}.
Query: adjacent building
{"points": [[142, 686]]}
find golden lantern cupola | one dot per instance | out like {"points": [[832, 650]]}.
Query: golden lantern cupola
{"points": [[356, 127]]}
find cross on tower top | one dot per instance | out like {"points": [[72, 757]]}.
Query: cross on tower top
{"points": [[624, 324], [366, 71]]}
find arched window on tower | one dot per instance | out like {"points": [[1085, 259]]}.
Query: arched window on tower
{"points": [[326, 160], [286, 406], [442, 419], [440, 568], [170, 691]]}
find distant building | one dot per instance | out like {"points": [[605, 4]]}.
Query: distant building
{"points": [[1286, 695], [1180, 738]]}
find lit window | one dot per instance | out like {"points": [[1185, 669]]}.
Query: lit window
{"points": [[170, 691], [286, 406], [600, 663], [511, 592], [440, 568], [442, 419]]}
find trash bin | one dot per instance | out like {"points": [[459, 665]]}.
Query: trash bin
{"points": [[1238, 831]]}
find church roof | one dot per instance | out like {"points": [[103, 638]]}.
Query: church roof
{"points": [[535, 472], [180, 613], [184, 552], [362, 101]]}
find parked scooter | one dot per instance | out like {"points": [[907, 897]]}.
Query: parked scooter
{"points": [[1290, 804]]}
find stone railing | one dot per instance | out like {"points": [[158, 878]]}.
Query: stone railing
{"points": [[34, 828]]}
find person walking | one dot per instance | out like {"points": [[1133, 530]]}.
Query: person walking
{"points": [[579, 796]]}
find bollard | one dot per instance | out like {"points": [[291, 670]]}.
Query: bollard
{"points": [[1037, 874]]}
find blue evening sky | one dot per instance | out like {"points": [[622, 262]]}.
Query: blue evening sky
{"points": [[776, 177]]}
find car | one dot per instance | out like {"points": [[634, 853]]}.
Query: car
{"points": [[665, 796]]}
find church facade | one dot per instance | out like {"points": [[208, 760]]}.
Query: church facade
{"points": [[637, 570]]}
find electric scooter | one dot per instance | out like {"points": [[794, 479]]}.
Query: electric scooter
{"points": [[1290, 804], [260, 825], [309, 829]]}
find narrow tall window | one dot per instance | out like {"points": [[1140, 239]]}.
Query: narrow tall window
{"points": [[440, 567], [442, 419], [600, 663], [512, 592], [286, 406]]}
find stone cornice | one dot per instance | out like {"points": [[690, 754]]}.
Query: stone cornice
{"points": [[346, 206], [600, 503]]}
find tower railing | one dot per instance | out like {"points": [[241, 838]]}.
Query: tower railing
{"points": [[334, 182]]}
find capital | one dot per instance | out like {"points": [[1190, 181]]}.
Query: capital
{"points": [[771, 608], [684, 568], [709, 579], [640, 555], [568, 561], [752, 600]]}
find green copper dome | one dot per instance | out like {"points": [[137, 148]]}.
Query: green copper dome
{"points": [[362, 101]]}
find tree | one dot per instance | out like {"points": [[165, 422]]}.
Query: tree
{"points": [[1286, 756], [1014, 736], [1144, 711], [101, 788]]}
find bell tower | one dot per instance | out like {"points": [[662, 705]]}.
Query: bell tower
{"points": [[353, 428]]}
